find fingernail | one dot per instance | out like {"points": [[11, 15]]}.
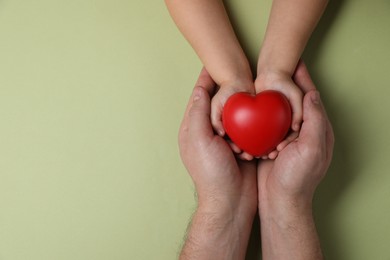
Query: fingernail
{"points": [[221, 132], [196, 94], [315, 98]]}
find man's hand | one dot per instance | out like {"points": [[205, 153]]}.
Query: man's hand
{"points": [[226, 188], [287, 184]]}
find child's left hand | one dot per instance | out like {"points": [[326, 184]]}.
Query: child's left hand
{"points": [[284, 84]]}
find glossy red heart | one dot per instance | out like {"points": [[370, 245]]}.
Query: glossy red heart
{"points": [[257, 124]]}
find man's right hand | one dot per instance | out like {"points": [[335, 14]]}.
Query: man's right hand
{"points": [[287, 184]]}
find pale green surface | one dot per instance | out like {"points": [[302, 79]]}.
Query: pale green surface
{"points": [[91, 96]]}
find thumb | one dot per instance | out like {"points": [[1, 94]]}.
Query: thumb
{"points": [[199, 114], [313, 132]]}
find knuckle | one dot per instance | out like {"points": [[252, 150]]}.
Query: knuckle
{"points": [[313, 153]]}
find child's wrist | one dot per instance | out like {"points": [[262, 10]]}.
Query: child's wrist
{"points": [[274, 71], [239, 84], [238, 77], [273, 63], [269, 76]]}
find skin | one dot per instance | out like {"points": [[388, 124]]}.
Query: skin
{"points": [[287, 184], [217, 47], [230, 190], [289, 27], [206, 26], [226, 187]]}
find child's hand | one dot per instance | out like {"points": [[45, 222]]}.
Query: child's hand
{"points": [[217, 104], [284, 84], [220, 98]]}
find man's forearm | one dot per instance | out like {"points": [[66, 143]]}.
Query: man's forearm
{"points": [[288, 231], [217, 235], [290, 25], [205, 24]]}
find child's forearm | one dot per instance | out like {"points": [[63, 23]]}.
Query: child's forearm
{"points": [[290, 25], [206, 26]]}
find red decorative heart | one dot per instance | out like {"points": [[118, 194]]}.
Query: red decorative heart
{"points": [[257, 124]]}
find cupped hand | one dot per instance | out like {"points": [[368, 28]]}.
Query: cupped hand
{"points": [[221, 181], [283, 83], [218, 101], [294, 175], [225, 91]]}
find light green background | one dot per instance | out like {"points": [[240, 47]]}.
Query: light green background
{"points": [[91, 97]]}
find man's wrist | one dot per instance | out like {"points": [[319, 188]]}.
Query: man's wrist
{"points": [[235, 218], [285, 208], [226, 212], [217, 233], [285, 214], [288, 229]]}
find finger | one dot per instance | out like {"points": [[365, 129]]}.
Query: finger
{"points": [[199, 126], [206, 82], [297, 113], [272, 155], [302, 78], [234, 147], [183, 130], [313, 131], [216, 117], [291, 137], [246, 156]]}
